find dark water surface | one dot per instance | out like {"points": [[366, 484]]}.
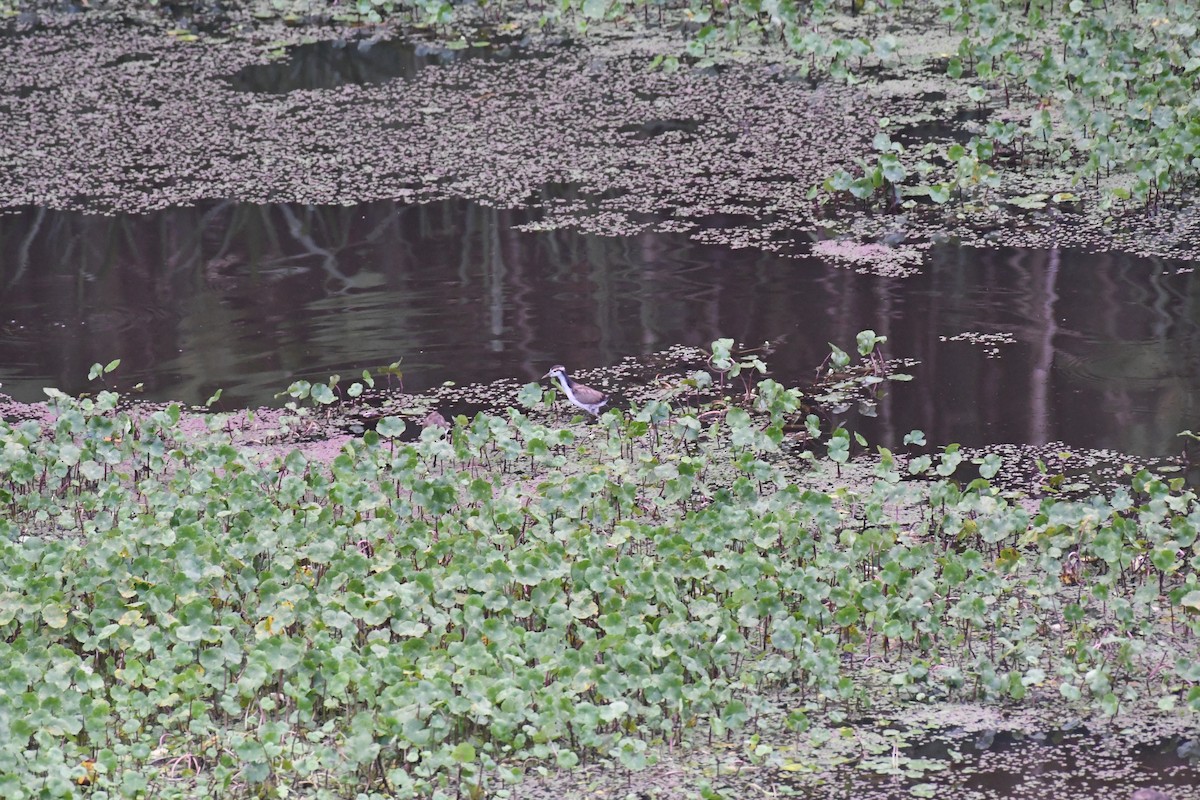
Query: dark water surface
{"points": [[998, 765], [248, 298], [330, 63]]}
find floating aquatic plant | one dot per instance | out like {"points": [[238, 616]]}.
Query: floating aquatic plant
{"points": [[185, 614]]}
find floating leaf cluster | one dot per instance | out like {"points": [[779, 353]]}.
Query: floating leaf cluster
{"points": [[873, 258], [736, 169], [1100, 88], [990, 342]]}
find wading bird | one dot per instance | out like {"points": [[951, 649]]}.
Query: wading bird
{"points": [[585, 397]]}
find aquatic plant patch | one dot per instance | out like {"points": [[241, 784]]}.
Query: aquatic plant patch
{"points": [[935, 749], [164, 126], [990, 342], [874, 258], [1091, 94], [187, 615], [343, 144]]}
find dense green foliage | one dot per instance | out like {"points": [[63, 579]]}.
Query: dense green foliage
{"points": [[200, 619], [1089, 93]]}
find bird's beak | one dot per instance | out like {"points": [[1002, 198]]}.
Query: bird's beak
{"points": [[547, 375]]}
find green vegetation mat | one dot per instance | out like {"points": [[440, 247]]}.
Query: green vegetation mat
{"points": [[185, 614]]}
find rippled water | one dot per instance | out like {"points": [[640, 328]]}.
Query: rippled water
{"points": [[1095, 350]]}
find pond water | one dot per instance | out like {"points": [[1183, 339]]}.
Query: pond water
{"points": [[330, 63], [1092, 350], [1002, 765]]}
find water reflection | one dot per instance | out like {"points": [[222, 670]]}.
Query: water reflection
{"points": [[248, 298]]}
